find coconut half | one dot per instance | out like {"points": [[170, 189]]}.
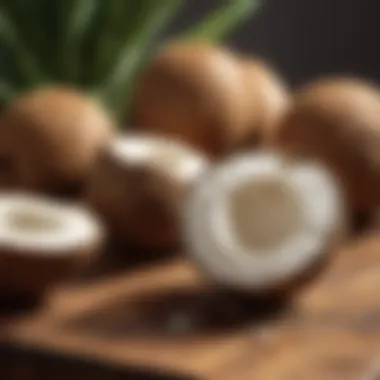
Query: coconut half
{"points": [[259, 223], [138, 187], [42, 241]]}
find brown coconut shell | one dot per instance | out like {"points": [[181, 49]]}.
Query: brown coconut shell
{"points": [[337, 121], [192, 92], [266, 99], [140, 201], [49, 139], [28, 272]]}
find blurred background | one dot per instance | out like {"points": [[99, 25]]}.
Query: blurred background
{"points": [[306, 38], [63, 40]]}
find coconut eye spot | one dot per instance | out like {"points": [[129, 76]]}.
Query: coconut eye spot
{"points": [[32, 222], [263, 214]]}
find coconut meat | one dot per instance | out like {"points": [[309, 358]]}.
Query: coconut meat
{"points": [[263, 229], [29, 223], [257, 221], [174, 157]]}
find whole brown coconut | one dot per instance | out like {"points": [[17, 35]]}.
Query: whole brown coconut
{"points": [[338, 122], [49, 139], [138, 188], [193, 92], [266, 100]]}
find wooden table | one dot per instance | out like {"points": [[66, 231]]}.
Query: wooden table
{"points": [[162, 321]]}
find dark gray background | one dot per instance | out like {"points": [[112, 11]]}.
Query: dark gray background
{"points": [[305, 39]]}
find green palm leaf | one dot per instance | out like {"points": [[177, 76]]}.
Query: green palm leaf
{"points": [[216, 26], [98, 45], [10, 38], [76, 15], [151, 19]]}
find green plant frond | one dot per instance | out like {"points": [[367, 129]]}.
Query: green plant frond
{"points": [[96, 45], [6, 92], [26, 15], [26, 62], [76, 16], [152, 18], [115, 26], [217, 25]]}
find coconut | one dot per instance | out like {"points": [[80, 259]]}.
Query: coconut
{"points": [[49, 139], [337, 121], [193, 92], [138, 186], [43, 242], [262, 224], [266, 99]]}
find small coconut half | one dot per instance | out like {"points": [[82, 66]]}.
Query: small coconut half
{"points": [[138, 187], [42, 242], [260, 223]]}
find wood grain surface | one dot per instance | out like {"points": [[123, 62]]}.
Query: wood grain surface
{"points": [[163, 321]]}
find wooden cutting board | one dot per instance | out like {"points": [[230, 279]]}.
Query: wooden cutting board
{"points": [[161, 320]]}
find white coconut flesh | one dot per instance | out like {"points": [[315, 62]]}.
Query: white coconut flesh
{"points": [[38, 225], [176, 158], [257, 221]]}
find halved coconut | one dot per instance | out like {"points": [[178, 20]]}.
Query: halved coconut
{"points": [[261, 223], [42, 242], [138, 187]]}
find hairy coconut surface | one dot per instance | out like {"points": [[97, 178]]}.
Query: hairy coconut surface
{"points": [[192, 92], [337, 121], [49, 139], [43, 242], [138, 187], [266, 100]]}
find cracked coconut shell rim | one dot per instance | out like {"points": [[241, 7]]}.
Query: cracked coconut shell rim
{"points": [[258, 221], [337, 121], [139, 184]]}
